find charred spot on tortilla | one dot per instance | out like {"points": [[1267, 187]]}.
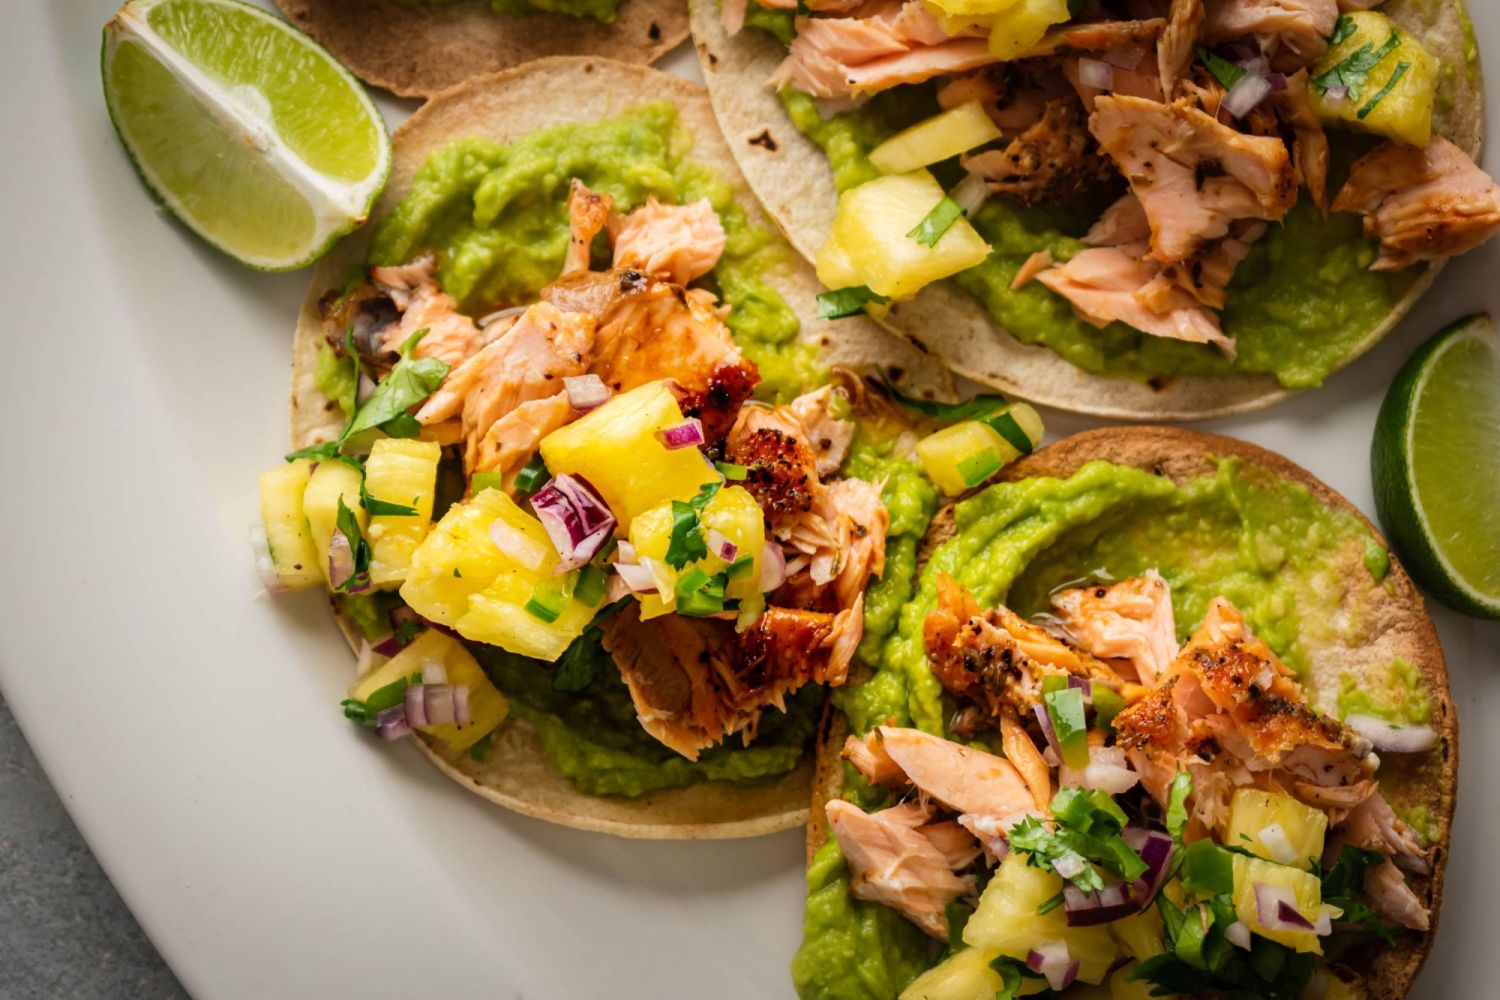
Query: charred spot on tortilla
{"points": [[764, 140]]}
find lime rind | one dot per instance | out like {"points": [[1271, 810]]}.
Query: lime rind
{"points": [[337, 207], [1397, 457]]}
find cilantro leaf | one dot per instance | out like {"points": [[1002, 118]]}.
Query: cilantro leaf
{"points": [[383, 507], [1011, 972], [1226, 72], [480, 750], [991, 410], [580, 663], [936, 222], [409, 382], [1353, 71], [1390, 85], [348, 526], [1346, 877], [317, 452], [1342, 30], [843, 302], [687, 544]]}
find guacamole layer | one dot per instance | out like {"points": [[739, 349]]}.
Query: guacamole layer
{"points": [[1244, 533], [497, 216], [1298, 305], [599, 10]]}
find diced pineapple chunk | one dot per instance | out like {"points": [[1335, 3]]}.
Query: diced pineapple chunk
{"points": [[872, 224], [400, 471], [288, 536], [835, 269], [1024, 25], [734, 513], [331, 482], [616, 449], [458, 557], [1305, 888], [964, 455], [948, 134], [1252, 813], [1007, 921], [498, 616], [487, 706], [965, 975], [1140, 933], [1394, 97]]}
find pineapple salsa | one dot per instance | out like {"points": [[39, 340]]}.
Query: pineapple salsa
{"points": [[1295, 568]]}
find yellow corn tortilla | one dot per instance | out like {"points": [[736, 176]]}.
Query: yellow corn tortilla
{"points": [[504, 107], [791, 176], [1406, 632], [418, 51]]}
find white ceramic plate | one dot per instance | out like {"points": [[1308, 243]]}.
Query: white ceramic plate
{"points": [[268, 849]]}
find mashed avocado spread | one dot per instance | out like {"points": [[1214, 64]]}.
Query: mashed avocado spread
{"points": [[1265, 543], [599, 10], [1301, 301], [497, 217]]}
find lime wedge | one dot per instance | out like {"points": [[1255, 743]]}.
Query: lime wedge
{"points": [[248, 131], [1435, 463]]}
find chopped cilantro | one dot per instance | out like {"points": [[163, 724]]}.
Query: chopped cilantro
{"points": [[1226, 72], [936, 222], [844, 302], [376, 506], [532, 476], [1390, 85], [480, 750], [1182, 787], [991, 410], [1353, 71], [365, 712], [687, 543], [317, 452], [1342, 31], [1086, 840], [348, 526]]}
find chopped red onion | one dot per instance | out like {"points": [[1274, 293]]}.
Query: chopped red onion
{"points": [[637, 578], [439, 627], [577, 520], [1100, 775], [1093, 73], [341, 565], [1052, 960], [416, 705], [1278, 83], [462, 715], [1045, 720], [1069, 865], [720, 545], [366, 658], [1337, 93], [1389, 736], [1275, 840], [518, 546], [585, 392], [437, 699], [688, 434], [391, 723], [1238, 935], [1125, 57], [1155, 849], [772, 567], [1083, 684], [1276, 909], [387, 647], [1248, 91], [1254, 63], [1088, 909], [625, 552], [433, 671], [970, 193], [265, 566], [400, 615], [1323, 926], [616, 588]]}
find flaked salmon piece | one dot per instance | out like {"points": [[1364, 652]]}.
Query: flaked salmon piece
{"points": [[828, 436], [1143, 81], [1294, 33], [1421, 204], [896, 43], [868, 757], [1051, 159], [997, 658], [1309, 141], [588, 214], [1027, 760], [1115, 284], [964, 780], [1124, 221], [987, 86], [782, 471], [1206, 275], [1193, 176], [515, 437], [1098, 36], [956, 844], [1374, 826], [693, 681], [527, 363], [1346, 6], [680, 243], [1130, 620], [1174, 51], [413, 288], [891, 862], [1030, 268], [1390, 897]]}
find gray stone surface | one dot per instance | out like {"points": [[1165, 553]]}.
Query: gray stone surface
{"points": [[64, 931]]}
